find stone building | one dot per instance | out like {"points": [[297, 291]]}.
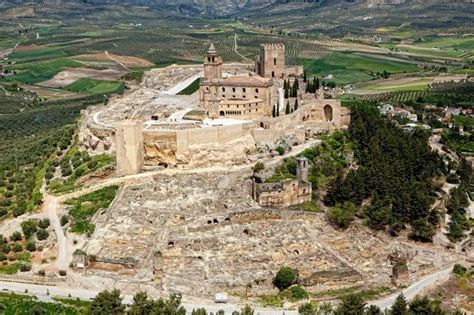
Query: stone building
{"points": [[242, 97], [285, 193], [271, 61]]}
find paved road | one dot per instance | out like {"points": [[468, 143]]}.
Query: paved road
{"points": [[416, 288], [45, 293]]}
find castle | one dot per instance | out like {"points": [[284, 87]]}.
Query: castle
{"points": [[241, 115]]}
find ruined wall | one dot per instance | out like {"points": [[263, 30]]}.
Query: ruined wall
{"points": [[129, 151]]}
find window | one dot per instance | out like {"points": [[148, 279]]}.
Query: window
{"points": [[256, 90], [213, 59], [223, 89], [244, 90], [273, 74], [233, 90], [209, 59], [274, 61], [245, 96], [233, 96]]}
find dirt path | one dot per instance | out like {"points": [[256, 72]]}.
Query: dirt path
{"points": [[237, 52], [115, 60], [62, 262]]}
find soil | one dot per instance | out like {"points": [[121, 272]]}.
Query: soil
{"points": [[128, 61]]}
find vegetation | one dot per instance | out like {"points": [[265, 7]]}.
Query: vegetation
{"points": [[396, 172], [285, 277], [91, 86], [192, 88], [83, 208]]}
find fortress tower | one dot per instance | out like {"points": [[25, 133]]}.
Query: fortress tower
{"points": [[271, 62], [129, 151], [212, 64], [302, 169]]}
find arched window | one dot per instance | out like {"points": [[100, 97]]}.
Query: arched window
{"points": [[274, 61], [328, 113], [221, 113]]}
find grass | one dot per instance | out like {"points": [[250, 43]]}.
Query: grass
{"points": [[25, 304], [39, 72], [85, 207], [191, 89], [92, 86], [350, 68], [9, 269]]}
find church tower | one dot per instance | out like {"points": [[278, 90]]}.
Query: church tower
{"points": [[212, 64]]}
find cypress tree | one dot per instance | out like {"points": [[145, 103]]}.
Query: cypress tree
{"points": [[296, 104], [287, 109], [317, 85], [304, 77], [278, 109], [274, 111]]}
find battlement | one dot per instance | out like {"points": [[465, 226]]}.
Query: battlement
{"points": [[273, 46]]}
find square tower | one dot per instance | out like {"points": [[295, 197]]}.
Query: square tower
{"points": [[129, 147], [271, 63]]}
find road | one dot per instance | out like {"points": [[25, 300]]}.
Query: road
{"points": [[62, 262], [45, 293], [183, 84], [416, 288]]}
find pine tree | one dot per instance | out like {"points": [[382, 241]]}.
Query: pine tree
{"points": [[296, 104], [287, 109], [400, 306]]}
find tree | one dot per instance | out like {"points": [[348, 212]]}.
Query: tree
{"points": [[199, 311], [274, 111], [16, 236], [317, 85], [342, 215], [287, 89], [64, 220], [400, 306], [296, 104], [287, 108], [29, 228], [352, 304], [42, 234], [310, 308], [373, 310], [304, 77], [141, 304], [285, 277], [172, 306], [278, 109], [422, 230], [108, 302]]}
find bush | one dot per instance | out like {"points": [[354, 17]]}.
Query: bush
{"points": [[62, 273], [42, 273], [29, 228], [18, 211], [17, 248], [3, 212], [42, 234], [64, 220], [25, 267], [280, 150], [16, 236], [459, 270], [297, 293], [258, 167], [341, 216], [44, 224], [31, 246], [452, 178], [285, 278], [3, 257]]}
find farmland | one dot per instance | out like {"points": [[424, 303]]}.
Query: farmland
{"points": [[95, 86]]}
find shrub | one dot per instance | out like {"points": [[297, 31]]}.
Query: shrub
{"points": [[62, 273], [459, 270], [17, 248], [41, 273], [3, 212], [29, 228], [18, 211], [3, 257], [44, 224], [258, 167], [452, 178], [341, 216], [280, 150], [285, 277], [25, 267], [16, 236], [31, 246], [64, 220], [297, 293], [42, 234]]}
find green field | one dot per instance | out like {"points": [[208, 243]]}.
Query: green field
{"points": [[39, 72], [95, 86], [25, 304], [350, 68], [37, 54]]}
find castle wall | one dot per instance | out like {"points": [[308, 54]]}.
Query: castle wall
{"points": [[129, 147]]}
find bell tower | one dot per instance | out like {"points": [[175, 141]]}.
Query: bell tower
{"points": [[212, 64]]}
